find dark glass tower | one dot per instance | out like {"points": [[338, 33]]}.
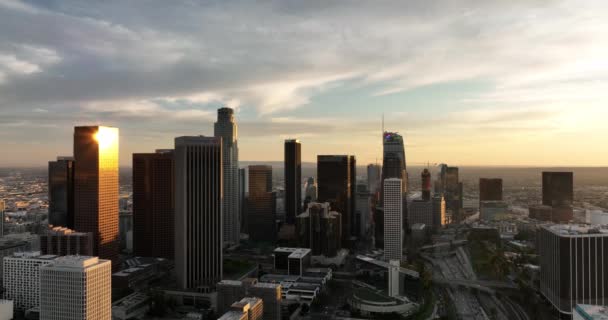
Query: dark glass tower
{"points": [[96, 188], [61, 192], [334, 183], [153, 204], [293, 180], [490, 189], [426, 185], [558, 188], [198, 212], [261, 206]]}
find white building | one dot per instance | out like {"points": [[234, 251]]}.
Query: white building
{"points": [[21, 274], [597, 217], [76, 288], [393, 218], [393, 278], [589, 312], [6, 309]]}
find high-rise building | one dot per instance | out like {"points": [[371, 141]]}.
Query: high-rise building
{"points": [[490, 189], [362, 210], [393, 209], [243, 200], [2, 209], [449, 185], [22, 278], [439, 214], [394, 166], [261, 207], [76, 288], [66, 242], [420, 212], [354, 221], [334, 178], [311, 190], [426, 185], [96, 188], [226, 128], [572, 266], [61, 192], [293, 180], [198, 212], [270, 293], [319, 229], [558, 188], [374, 176], [153, 204]]}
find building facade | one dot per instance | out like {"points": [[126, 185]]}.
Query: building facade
{"points": [[334, 179], [61, 192], [319, 228], [374, 176], [293, 180], [420, 211], [558, 188], [76, 288], [393, 209], [96, 188], [490, 189], [22, 278], [226, 128], [572, 266], [65, 242], [261, 207], [198, 212], [153, 204]]}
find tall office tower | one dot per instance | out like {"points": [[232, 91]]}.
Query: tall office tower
{"points": [[270, 293], [420, 212], [2, 209], [96, 188], [61, 192], [354, 221], [374, 175], [426, 185], [76, 288], [21, 274], [393, 278], [65, 242], [378, 227], [293, 180], [319, 229], [572, 266], [439, 216], [394, 166], [558, 188], [153, 204], [393, 214], [311, 190], [334, 186], [226, 128], [198, 212], [490, 189], [362, 210], [450, 187], [262, 205], [243, 199]]}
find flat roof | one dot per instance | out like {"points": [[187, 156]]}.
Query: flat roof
{"points": [[592, 312], [578, 230], [232, 315]]}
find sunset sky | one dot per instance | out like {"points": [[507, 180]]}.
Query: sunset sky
{"points": [[471, 82]]}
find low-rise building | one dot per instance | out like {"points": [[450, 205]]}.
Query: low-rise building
{"points": [[22, 278], [134, 306]]}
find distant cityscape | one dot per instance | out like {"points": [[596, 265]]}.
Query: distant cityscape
{"points": [[192, 233]]}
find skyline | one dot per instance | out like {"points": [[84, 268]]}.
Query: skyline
{"points": [[465, 82]]}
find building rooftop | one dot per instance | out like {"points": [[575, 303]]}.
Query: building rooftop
{"points": [[267, 285], [230, 283], [592, 312], [76, 261], [131, 300], [295, 253], [232, 315], [578, 230]]}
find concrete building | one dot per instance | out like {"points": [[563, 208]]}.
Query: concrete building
{"points": [[393, 278], [261, 207], [226, 128], [7, 309], [393, 232], [293, 261], [335, 178], [270, 293], [198, 214], [420, 211], [153, 204], [229, 291], [572, 266], [597, 217], [96, 188], [253, 307], [76, 288], [234, 315], [293, 180], [10, 246], [589, 312], [61, 192], [22, 278], [493, 210], [232, 291], [65, 242], [133, 306], [319, 229]]}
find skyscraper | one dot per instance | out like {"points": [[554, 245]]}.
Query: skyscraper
{"points": [[393, 214], [311, 189], [76, 288], [226, 128], [153, 204], [318, 228], [426, 185], [394, 166], [558, 188], [334, 186], [354, 221], [374, 176], [450, 187], [198, 212], [2, 209], [61, 192], [96, 188], [490, 189], [261, 208], [293, 180], [243, 199]]}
